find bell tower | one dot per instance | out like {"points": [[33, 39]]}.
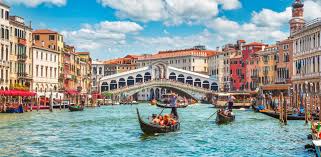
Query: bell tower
{"points": [[297, 21]]}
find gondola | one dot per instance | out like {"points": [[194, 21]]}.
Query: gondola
{"points": [[150, 129], [221, 118], [289, 116], [168, 106], [76, 108]]}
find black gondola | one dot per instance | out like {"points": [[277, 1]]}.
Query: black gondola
{"points": [[168, 106], [149, 128], [75, 108], [290, 116], [221, 118]]}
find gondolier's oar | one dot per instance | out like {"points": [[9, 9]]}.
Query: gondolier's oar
{"points": [[212, 114], [161, 112]]}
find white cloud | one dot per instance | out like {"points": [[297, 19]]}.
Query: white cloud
{"points": [[34, 3], [230, 4], [155, 44], [171, 12], [312, 9], [230, 31], [267, 17], [102, 36]]}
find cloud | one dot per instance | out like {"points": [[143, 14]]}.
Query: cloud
{"points": [[270, 18], [312, 9], [171, 12], [34, 3], [230, 4], [102, 36], [230, 31], [154, 44]]}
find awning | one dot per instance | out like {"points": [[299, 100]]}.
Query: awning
{"points": [[276, 87], [72, 92], [17, 93]]}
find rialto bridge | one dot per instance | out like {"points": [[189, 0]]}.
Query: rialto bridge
{"points": [[156, 79]]}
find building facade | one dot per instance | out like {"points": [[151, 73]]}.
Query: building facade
{"points": [[21, 54], [5, 45], [84, 80], [306, 39], [45, 72], [51, 40]]}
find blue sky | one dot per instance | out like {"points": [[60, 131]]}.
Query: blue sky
{"points": [[114, 28]]}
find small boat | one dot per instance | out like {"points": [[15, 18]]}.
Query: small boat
{"points": [[76, 108], [150, 129], [289, 116], [134, 102], [168, 106], [221, 118], [153, 102]]}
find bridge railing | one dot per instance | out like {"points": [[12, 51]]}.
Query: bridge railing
{"points": [[161, 81]]}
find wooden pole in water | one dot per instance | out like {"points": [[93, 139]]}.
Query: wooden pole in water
{"points": [[281, 107], [319, 107], [305, 109], [285, 112]]}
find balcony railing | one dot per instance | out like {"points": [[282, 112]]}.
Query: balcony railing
{"points": [[22, 75], [22, 57]]}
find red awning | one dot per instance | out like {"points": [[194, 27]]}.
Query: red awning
{"points": [[72, 92], [17, 93]]}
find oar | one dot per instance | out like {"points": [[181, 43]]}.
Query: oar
{"points": [[162, 111], [212, 115]]}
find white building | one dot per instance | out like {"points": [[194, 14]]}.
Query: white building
{"points": [[97, 73], [5, 45], [45, 72]]}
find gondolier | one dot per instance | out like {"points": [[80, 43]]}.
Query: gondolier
{"points": [[230, 103]]}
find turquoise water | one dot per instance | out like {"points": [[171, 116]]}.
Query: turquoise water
{"points": [[114, 131]]}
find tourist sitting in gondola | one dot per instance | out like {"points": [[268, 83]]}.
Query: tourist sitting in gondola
{"points": [[166, 120]]}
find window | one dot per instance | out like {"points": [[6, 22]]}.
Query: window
{"points": [[41, 55], [46, 71], [50, 72], [51, 37], [55, 72], [37, 37], [41, 71], [7, 15]]}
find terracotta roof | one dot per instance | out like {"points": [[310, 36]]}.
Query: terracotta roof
{"points": [[83, 53], [132, 56], [44, 31], [255, 44], [179, 53], [242, 41]]}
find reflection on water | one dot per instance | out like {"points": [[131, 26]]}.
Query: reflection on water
{"points": [[114, 131]]}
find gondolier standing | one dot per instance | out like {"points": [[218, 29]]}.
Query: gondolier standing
{"points": [[230, 103], [173, 105]]}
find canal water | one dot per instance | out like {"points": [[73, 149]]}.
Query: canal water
{"points": [[114, 131]]}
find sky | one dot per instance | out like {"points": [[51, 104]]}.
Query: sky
{"points": [[114, 28]]}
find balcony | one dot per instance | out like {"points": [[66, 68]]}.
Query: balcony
{"points": [[22, 58], [254, 77], [265, 72], [22, 41], [23, 75], [282, 80]]}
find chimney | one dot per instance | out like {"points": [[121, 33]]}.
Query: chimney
{"points": [[43, 44], [30, 24], [217, 48]]}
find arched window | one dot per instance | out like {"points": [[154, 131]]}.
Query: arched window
{"points": [[197, 83], [172, 76], [181, 78], [130, 81], [189, 80], [104, 87], [206, 85], [113, 84], [121, 83], [147, 77], [139, 78], [214, 86]]}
